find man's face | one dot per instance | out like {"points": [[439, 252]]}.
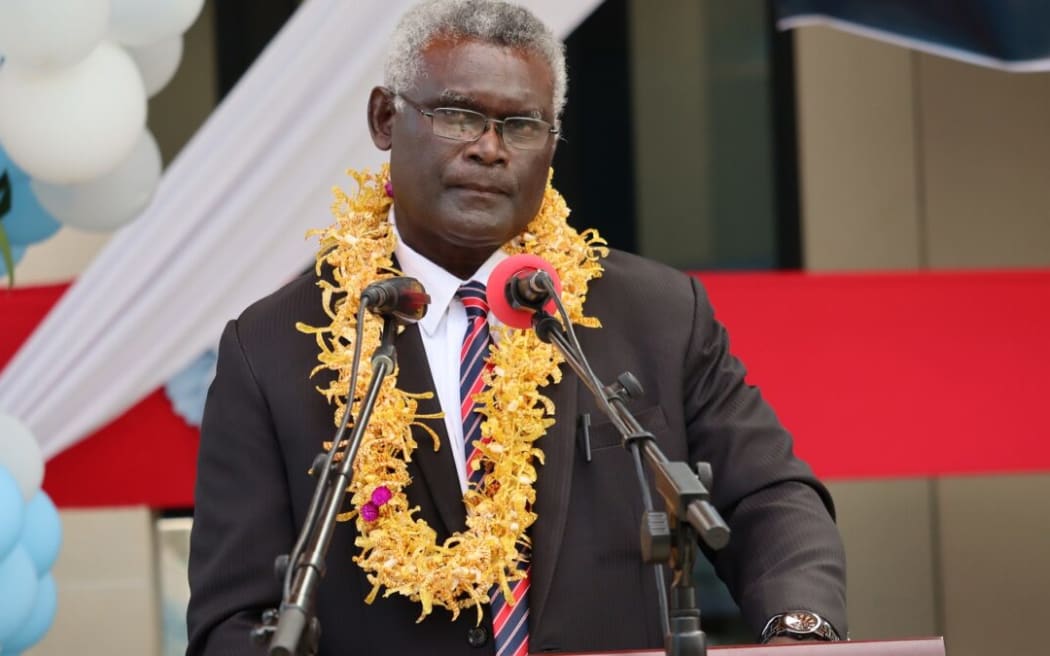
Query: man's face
{"points": [[457, 202]]}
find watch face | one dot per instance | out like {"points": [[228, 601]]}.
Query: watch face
{"points": [[801, 622]]}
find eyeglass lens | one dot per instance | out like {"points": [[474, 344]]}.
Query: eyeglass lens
{"points": [[467, 125]]}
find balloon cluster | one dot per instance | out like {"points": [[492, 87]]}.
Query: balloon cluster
{"points": [[74, 80], [30, 537]]}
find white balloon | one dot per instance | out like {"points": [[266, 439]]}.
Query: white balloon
{"points": [[20, 454], [51, 33], [138, 23], [106, 203], [157, 63], [74, 124]]}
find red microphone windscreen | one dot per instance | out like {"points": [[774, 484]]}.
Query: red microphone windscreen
{"points": [[496, 291]]}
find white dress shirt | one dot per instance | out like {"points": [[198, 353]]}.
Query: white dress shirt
{"points": [[442, 330]]}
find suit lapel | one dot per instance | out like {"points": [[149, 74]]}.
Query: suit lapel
{"points": [[437, 469], [552, 491]]}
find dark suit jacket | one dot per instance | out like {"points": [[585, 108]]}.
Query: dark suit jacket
{"points": [[265, 422]]}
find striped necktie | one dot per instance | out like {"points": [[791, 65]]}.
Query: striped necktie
{"points": [[510, 624]]}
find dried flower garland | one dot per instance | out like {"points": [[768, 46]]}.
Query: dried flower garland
{"points": [[399, 553]]}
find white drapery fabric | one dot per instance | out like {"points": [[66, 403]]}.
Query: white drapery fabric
{"points": [[227, 223]]}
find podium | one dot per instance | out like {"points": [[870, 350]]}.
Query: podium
{"points": [[918, 647]]}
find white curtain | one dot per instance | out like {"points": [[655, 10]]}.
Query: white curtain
{"points": [[227, 224]]}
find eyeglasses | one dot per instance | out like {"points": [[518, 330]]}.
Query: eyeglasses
{"points": [[467, 125]]}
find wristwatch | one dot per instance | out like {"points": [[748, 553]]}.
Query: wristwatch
{"points": [[800, 624]]}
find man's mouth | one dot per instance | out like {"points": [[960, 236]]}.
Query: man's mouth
{"points": [[481, 188]]}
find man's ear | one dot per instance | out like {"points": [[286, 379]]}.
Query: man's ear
{"points": [[381, 113]]}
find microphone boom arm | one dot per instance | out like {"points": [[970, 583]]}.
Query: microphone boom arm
{"points": [[294, 630], [689, 498], [685, 495]]}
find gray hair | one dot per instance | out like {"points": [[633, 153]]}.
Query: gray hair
{"points": [[490, 21]]}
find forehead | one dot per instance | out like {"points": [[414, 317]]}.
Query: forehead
{"points": [[496, 78]]}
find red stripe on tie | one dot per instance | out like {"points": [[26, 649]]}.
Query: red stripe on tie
{"points": [[518, 590], [467, 407]]}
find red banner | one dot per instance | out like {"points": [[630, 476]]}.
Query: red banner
{"points": [[877, 375]]}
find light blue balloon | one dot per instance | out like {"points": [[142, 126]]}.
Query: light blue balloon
{"points": [[188, 389], [19, 584], [41, 532], [27, 222], [16, 254], [40, 618], [12, 512]]}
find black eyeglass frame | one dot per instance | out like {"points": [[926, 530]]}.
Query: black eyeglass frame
{"points": [[498, 122]]}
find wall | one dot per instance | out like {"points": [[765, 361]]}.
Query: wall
{"points": [[910, 161], [106, 576]]}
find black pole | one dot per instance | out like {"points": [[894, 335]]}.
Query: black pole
{"points": [[295, 630]]}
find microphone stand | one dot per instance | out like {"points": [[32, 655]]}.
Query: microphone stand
{"points": [[294, 629], [685, 495]]}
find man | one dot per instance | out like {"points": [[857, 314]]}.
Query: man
{"points": [[469, 114]]}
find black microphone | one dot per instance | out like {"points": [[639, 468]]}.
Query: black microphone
{"points": [[401, 297], [519, 287], [529, 290]]}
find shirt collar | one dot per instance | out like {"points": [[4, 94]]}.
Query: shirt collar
{"points": [[439, 283]]}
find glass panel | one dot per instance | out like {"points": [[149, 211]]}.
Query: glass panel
{"points": [[173, 555]]}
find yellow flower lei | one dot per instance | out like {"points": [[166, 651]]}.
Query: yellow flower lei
{"points": [[398, 552]]}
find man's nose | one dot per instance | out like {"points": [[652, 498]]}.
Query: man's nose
{"points": [[489, 148]]}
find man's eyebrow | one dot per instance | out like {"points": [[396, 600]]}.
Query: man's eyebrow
{"points": [[449, 98], [457, 99]]}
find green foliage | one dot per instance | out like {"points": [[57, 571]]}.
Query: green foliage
{"points": [[5, 245]]}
